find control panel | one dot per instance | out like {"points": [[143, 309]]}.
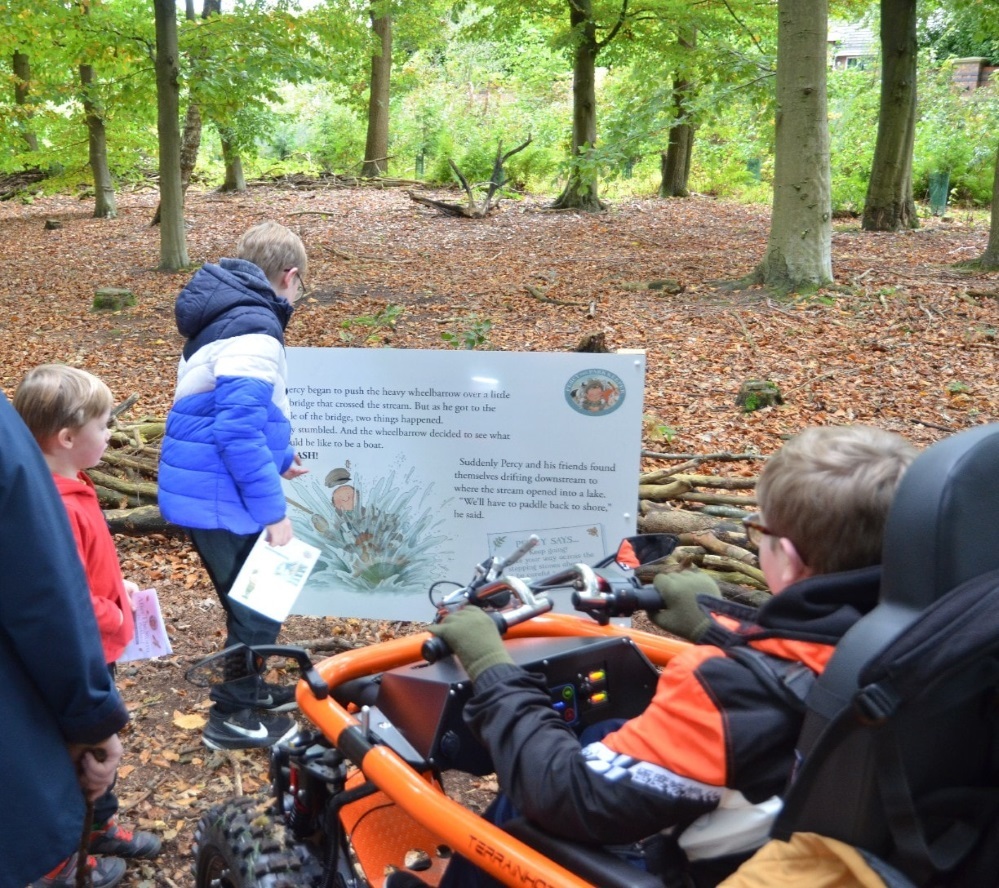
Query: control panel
{"points": [[588, 680]]}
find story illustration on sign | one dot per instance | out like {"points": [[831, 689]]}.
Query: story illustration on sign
{"points": [[380, 535]]}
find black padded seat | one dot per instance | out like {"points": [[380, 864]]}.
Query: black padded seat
{"points": [[942, 531]]}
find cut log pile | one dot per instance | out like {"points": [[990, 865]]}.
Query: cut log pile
{"points": [[703, 512], [126, 479]]}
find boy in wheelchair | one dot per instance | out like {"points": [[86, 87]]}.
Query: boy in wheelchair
{"points": [[703, 767]]}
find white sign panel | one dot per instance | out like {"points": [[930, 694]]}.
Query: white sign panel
{"points": [[423, 463]]}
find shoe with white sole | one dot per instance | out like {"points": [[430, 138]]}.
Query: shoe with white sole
{"points": [[246, 729]]}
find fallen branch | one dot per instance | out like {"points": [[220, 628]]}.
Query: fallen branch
{"points": [[537, 294], [730, 565], [706, 457], [654, 518], [715, 499], [711, 543], [330, 643], [474, 210], [698, 480], [140, 521], [660, 493], [933, 425], [146, 489]]}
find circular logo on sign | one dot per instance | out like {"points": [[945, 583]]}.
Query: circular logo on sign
{"points": [[594, 392]]}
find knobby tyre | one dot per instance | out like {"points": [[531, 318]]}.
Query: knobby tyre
{"points": [[239, 844]]}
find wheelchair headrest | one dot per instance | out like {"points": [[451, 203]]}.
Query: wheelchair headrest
{"points": [[943, 527]]}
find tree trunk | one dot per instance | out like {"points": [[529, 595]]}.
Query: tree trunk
{"points": [[581, 189], [191, 140], [234, 179], [189, 145], [105, 206], [173, 238], [889, 205], [990, 258], [675, 161], [799, 247], [376, 146], [22, 93]]}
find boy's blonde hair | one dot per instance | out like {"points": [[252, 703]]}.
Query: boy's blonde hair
{"points": [[273, 248], [53, 397], [828, 490]]}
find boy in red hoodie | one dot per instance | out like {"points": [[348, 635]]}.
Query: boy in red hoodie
{"points": [[68, 411]]}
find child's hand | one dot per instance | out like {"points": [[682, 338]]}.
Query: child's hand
{"points": [[130, 590], [96, 764], [281, 533], [295, 470]]}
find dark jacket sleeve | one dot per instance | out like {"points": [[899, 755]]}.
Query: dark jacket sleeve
{"points": [[49, 642], [554, 782]]}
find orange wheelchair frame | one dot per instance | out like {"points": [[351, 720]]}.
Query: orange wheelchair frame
{"points": [[413, 810]]}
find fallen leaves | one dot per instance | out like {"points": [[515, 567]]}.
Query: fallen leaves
{"points": [[902, 341]]}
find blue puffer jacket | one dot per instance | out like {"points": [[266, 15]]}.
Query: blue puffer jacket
{"points": [[228, 434]]}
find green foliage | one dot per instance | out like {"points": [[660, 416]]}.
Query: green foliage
{"points": [[317, 126], [289, 91], [371, 328], [472, 333], [955, 134], [460, 101], [854, 97], [961, 30], [656, 430], [728, 150]]}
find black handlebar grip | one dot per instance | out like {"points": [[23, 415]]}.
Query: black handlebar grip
{"points": [[434, 648], [647, 598]]}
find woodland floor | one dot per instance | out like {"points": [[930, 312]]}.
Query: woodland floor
{"points": [[904, 341]]}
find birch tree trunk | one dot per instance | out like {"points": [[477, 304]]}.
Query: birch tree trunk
{"points": [[800, 244]]}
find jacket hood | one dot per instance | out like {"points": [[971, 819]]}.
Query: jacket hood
{"points": [[81, 485], [230, 299], [820, 608]]}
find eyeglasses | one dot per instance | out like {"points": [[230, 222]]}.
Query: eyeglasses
{"points": [[302, 289], [756, 529]]}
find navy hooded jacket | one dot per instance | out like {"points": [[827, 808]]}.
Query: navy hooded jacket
{"points": [[56, 688]]}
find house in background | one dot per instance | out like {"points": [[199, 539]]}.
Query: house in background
{"points": [[851, 46]]}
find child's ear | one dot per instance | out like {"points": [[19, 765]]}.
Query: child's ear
{"points": [[792, 567], [64, 438]]}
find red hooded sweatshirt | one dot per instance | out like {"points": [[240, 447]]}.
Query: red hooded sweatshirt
{"points": [[100, 560]]}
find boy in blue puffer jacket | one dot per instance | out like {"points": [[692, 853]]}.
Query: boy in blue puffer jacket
{"points": [[228, 444]]}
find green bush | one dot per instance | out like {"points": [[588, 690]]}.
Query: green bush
{"points": [[854, 96], [955, 134]]}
